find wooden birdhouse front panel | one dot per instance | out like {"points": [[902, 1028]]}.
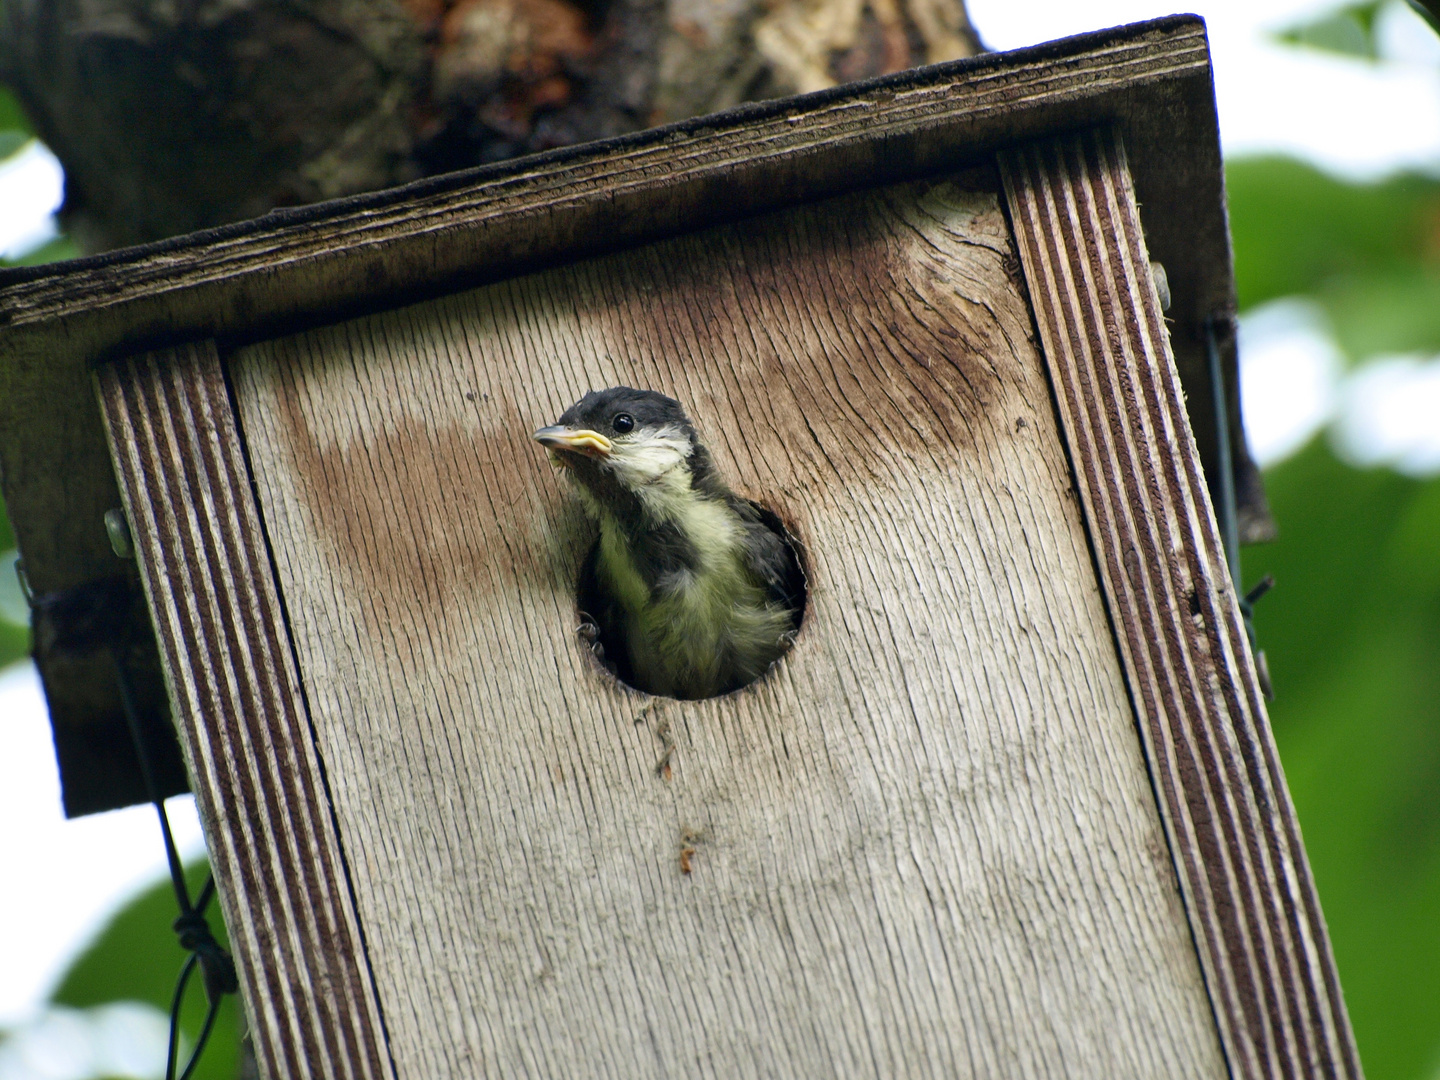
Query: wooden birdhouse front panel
{"points": [[554, 871]]}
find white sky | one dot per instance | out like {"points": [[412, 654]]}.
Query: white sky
{"points": [[31, 185], [1353, 118], [62, 877]]}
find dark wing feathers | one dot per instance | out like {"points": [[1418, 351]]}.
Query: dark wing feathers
{"points": [[771, 554]]}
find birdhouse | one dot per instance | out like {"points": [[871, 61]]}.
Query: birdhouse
{"points": [[1007, 802]]}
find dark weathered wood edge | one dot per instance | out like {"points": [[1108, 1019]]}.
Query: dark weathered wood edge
{"points": [[1255, 916], [646, 185], [233, 685], [372, 211]]}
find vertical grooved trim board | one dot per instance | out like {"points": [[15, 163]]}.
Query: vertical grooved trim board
{"points": [[240, 715], [1233, 833]]}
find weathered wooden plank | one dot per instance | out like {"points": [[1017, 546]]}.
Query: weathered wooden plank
{"points": [[241, 717], [391, 242], [1247, 883], [925, 845]]}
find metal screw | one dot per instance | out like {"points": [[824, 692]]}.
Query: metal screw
{"points": [[1162, 284], [118, 529]]}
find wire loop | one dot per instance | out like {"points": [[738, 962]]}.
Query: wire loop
{"points": [[217, 968]]}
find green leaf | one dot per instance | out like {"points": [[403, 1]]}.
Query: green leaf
{"points": [[1370, 253], [62, 247], [1296, 229], [14, 643], [1352, 635], [1349, 31], [11, 142], [12, 117], [1395, 311], [14, 633], [137, 958]]}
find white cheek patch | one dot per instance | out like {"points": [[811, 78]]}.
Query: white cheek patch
{"points": [[647, 457]]}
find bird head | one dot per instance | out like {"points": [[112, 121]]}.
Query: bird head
{"points": [[631, 440]]}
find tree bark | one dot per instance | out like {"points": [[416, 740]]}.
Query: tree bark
{"points": [[175, 115]]}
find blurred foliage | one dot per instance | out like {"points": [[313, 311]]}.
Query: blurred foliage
{"points": [[12, 117], [62, 247], [15, 134], [15, 131], [1349, 31], [1354, 30], [137, 958], [11, 141], [14, 634], [1370, 254], [1352, 631]]}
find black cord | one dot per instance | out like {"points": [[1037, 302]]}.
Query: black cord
{"points": [[217, 969], [1226, 510], [173, 1054]]}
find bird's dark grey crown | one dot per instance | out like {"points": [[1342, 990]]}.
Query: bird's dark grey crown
{"points": [[598, 409]]}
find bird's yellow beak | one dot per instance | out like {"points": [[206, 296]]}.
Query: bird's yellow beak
{"points": [[576, 440]]}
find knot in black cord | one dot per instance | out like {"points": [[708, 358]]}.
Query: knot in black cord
{"points": [[216, 966], [217, 969], [195, 935]]}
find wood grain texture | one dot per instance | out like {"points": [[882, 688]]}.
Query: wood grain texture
{"points": [[1256, 917], [924, 845], [242, 722]]}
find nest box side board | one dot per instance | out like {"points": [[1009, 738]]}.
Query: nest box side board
{"points": [[240, 709], [1233, 832]]}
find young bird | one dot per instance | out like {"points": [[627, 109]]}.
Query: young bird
{"points": [[694, 591]]}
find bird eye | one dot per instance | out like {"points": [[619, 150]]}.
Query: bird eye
{"points": [[623, 423]]}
